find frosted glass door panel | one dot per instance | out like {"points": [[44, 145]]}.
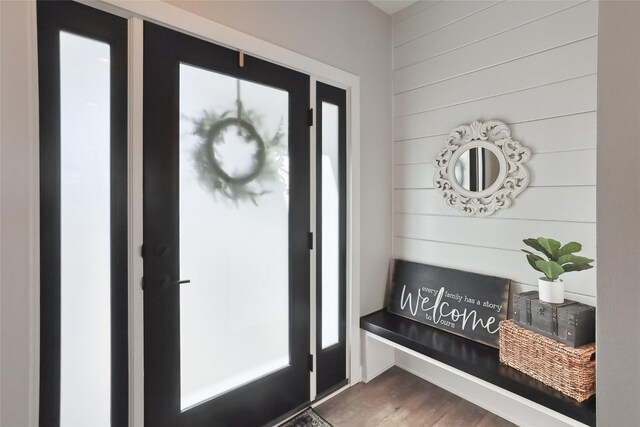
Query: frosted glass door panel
{"points": [[85, 343], [234, 238], [330, 226]]}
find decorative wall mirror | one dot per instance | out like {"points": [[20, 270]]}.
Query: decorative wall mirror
{"points": [[481, 170]]}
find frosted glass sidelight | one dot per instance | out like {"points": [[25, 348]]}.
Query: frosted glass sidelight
{"points": [[330, 226], [85, 282], [234, 315]]}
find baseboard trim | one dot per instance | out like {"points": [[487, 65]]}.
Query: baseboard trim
{"points": [[384, 368]]}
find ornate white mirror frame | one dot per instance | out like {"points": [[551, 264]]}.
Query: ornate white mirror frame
{"points": [[512, 178]]}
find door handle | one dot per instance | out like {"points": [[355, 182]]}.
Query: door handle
{"points": [[164, 281]]}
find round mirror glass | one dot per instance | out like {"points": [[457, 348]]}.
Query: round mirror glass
{"points": [[477, 169]]}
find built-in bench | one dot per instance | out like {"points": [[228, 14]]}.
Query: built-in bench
{"points": [[469, 358]]}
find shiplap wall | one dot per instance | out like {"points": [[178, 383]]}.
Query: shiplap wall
{"points": [[531, 64]]}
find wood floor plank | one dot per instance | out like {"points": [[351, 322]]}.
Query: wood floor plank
{"points": [[492, 420], [397, 398], [463, 413], [366, 404], [422, 408]]}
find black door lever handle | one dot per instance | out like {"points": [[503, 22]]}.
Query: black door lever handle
{"points": [[164, 281]]}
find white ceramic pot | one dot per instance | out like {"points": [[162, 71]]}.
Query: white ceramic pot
{"points": [[552, 292]]}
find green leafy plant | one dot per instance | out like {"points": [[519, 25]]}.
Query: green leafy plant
{"points": [[559, 259]]}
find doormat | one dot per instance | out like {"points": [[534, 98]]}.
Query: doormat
{"points": [[307, 418]]}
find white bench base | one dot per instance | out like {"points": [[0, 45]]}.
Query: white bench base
{"points": [[379, 354]]}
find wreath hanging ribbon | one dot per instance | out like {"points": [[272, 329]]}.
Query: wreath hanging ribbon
{"points": [[268, 159]]}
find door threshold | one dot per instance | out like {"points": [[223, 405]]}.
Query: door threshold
{"points": [[289, 415]]}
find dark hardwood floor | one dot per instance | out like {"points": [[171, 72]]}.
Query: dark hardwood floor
{"points": [[400, 399]]}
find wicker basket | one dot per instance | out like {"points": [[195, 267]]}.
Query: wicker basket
{"points": [[569, 370]]}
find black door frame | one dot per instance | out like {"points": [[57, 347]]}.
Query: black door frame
{"points": [[53, 17], [164, 49], [331, 369]]}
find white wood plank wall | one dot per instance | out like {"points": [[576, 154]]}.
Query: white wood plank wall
{"points": [[531, 64]]}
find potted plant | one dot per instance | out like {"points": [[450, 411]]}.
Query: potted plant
{"points": [[560, 259]]}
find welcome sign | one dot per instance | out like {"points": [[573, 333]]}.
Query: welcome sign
{"points": [[466, 304]]}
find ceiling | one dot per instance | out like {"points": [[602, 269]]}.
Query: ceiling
{"points": [[391, 6]]}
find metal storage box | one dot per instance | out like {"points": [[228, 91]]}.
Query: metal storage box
{"points": [[570, 322], [522, 307]]}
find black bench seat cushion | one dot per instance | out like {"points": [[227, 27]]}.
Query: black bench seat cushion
{"points": [[475, 359]]}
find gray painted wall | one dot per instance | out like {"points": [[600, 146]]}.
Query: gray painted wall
{"points": [[354, 36], [618, 338], [18, 275]]}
